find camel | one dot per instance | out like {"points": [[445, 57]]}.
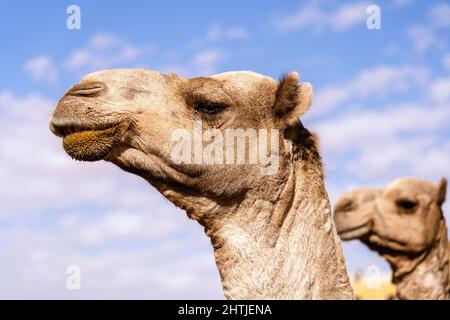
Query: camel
{"points": [[272, 233], [404, 223]]}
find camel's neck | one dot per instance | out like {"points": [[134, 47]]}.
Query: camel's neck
{"points": [[427, 275], [281, 249]]}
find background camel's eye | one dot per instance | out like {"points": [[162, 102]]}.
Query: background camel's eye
{"points": [[406, 205], [346, 206], [209, 108]]}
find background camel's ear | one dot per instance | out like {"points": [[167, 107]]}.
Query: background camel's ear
{"points": [[292, 99], [442, 191]]}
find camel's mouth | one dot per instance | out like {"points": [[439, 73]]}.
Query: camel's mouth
{"points": [[386, 245], [355, 232], [87, 143]]}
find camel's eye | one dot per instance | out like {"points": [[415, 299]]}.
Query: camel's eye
{"points": [[406, 205], [347, 205], [209, 108]]}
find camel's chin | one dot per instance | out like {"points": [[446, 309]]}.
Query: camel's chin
{"points": [[91, 145], [355, 232]]}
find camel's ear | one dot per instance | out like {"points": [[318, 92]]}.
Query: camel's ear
{"points": [[442, 191], [292, 99]]}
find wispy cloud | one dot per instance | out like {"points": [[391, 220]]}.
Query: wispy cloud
{"points": [[422, 37], [439, 15], [402, 3], [353, 129], [439, 90], [105, 51], [206, 60], [42, 68], [313, 16], [34, 264], [128, 240], [202, 62], [378, 81], [446, 61], [217, 33], [430, 33], [392, 140], [123, 224]]}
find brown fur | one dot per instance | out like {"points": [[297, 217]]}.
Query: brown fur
{"points": [[273, 235], [291, 99], [442, 191]]}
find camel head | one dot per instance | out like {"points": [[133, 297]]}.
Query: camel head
{"points": [[136, 119], [405, 217]]}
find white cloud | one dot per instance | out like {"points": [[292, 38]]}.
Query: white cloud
{"points": [[34, 266], [446, 61], [440, 90], [376, 146], [312, 15], [217, 33], [427, 36], [31, 156], [422, 37], [128, 240], [309, 15], [202, 63], [365, 127], [207, 60], [379, 144], [105, 41], [105, 51], [378, 81], [42, 68], [401, 3], [439, 15], [348, 16], [117, 226], [402, 157]]}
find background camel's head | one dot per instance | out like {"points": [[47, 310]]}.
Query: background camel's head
{"points": [[403, 217], [129, 117]]}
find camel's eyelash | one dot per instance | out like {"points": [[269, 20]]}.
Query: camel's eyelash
{"points": [[347, 206], [209, 108], [406, 205], [205, 109]]}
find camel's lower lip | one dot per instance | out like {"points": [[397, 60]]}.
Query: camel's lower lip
{"points": [[355, 232], [63, 127], [91, 145], [387, 245]]}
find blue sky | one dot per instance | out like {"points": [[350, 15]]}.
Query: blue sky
{"points": [[381, 108]]}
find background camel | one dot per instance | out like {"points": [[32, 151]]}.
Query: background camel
{"points": [[273, 235], [404, 223]]}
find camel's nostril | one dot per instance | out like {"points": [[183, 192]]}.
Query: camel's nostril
{"points": [[86, 89]]}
